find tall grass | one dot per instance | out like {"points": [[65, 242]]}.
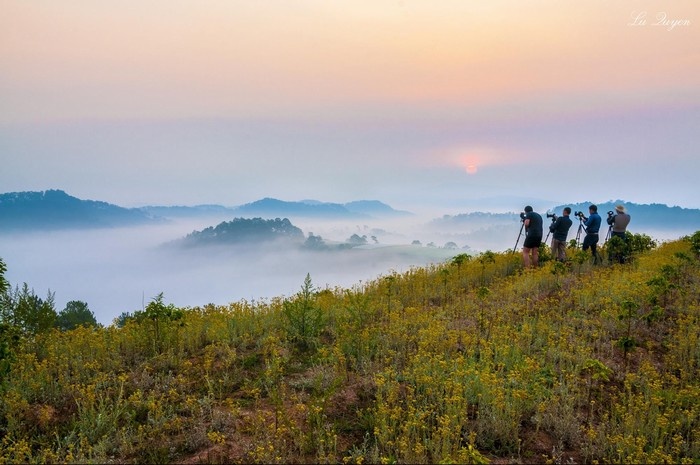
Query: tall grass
{"points": [[470, 361]]}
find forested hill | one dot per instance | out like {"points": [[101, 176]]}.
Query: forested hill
{"points": [[244, 231], [54, 209]]}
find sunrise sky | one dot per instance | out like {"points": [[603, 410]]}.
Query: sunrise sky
{"points": [[421, 104]]}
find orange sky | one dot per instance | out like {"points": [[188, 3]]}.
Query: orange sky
{"points": [[439, 94], [171, 58]]}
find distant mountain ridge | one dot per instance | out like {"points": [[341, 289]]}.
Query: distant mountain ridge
{"points": [[269, 207], [54, 209], [313, 208], [644, 216], [651, 216], [374, 208], [181, 211]]}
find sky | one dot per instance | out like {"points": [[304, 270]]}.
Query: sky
{"points": [[426, 105]]}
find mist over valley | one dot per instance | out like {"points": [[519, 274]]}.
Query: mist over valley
{"points": [[117, 270], [86, 252]]}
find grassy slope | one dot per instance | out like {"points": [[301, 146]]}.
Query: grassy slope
{"points": [[452, 363]]}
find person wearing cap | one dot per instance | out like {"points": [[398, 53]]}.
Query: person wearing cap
{"points": [[533, 237], [618, 228], [619, 222]]}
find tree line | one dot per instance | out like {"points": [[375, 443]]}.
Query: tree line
{"points": [[22, 310]]}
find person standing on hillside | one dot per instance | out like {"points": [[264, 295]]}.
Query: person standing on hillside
{"points": [[619, 222], [592, 225], [533, 237], [560, 229]]}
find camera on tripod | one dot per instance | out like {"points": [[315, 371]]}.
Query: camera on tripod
{"points": [[580, 216], [522, 216], [611, 213], [553, 216]]}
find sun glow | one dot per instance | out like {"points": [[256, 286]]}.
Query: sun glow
{"points": [[470, 162]]}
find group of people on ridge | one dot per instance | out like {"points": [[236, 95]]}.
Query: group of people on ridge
{"points": [[532, 222]]}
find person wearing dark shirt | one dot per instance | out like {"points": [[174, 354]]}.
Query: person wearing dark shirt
{"points": [[533, 237], [592, 225], [560, 229]]}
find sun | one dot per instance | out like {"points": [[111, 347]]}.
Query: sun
{"points": [[469, 160]]}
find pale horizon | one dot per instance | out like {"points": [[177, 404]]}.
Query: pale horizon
{"points": [[413, 103]]}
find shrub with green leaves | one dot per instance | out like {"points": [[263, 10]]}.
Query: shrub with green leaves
{"points": [[304, 316]]}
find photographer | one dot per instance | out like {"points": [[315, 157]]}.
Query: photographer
{"points": [[560, 229], [592, 225], [619, 221], [533, 237]]}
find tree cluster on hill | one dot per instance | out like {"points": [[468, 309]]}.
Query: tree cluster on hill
{"points": [[26, 312], [246, 231], [315, 242]]}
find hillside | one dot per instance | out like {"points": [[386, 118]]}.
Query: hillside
{"points": [[471, 361], [54, 209]]}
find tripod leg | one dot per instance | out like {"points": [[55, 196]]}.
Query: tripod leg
{"points": [[578, 236], [518, 239]]}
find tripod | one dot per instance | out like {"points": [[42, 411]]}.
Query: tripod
{"points": [[522, 225], [581, 228], [554, 219], [607, 236]]}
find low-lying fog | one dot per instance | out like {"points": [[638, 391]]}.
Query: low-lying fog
{"points": [[121, 270]]}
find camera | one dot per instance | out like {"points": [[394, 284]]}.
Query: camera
{"points": [[579, 215], [611, 213], [553, 216], [522, 216]]}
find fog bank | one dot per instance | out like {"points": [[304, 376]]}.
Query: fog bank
{"points": [[121, 270]]}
